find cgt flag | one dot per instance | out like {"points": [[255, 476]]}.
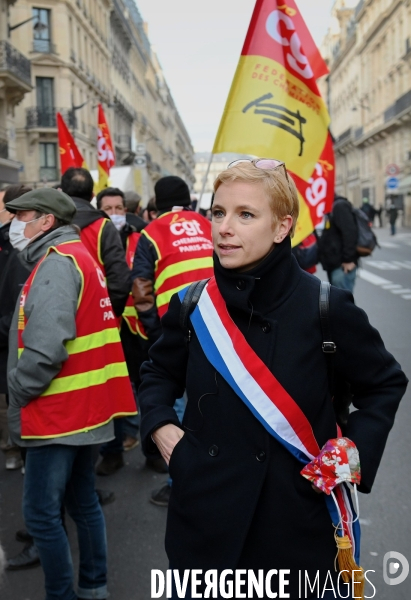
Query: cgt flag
{"points": [[274, 108], [69, 153], [105, 151]]}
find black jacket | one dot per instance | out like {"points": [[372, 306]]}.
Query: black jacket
{"points": [[112, 253], [5, 247], [135, 348], [12, 278], [238, 499], [137, 222], [338, 242]]}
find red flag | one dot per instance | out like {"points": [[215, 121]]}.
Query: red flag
{"points": [[105, 151], [274, 108], [69, 153]]}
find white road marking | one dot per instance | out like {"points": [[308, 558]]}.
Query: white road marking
{"points": [[388, 245], [371, 278], [394, 288], [403, 264], [384, 265]]}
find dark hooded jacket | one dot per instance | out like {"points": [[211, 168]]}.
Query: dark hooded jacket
{"points": [[112, 253], [13, 275], [338, 243]]}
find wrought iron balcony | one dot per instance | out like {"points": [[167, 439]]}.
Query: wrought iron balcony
{"points": [[46, 117], [15, 63], [44, 46], [48, 174]]}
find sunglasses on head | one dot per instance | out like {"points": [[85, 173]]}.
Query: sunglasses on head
{"points": [[265, 164]]}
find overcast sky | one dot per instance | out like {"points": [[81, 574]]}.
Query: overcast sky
{"points": [[198, 44]]}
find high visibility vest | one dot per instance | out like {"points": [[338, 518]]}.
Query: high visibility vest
{"points": [[91, 238], [182, 241], [130, 314], [93, 385]]}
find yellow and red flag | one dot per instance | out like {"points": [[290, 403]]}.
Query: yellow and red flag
{"points": [[105, 151], [70, 155], [274, 108]]}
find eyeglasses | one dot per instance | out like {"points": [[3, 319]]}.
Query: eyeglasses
{"points": [[266, 164]]}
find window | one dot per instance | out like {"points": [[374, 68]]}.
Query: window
{"points": [[48, 161], [45, 102], [42, 30]]}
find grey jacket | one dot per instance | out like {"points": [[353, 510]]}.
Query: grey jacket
{"points": [[50, 310]]}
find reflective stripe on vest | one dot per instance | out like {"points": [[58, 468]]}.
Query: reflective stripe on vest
{"points": [[92, 386], [91, 238], [182, 241], [130, 314]]}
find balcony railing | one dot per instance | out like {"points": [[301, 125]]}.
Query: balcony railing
{"points": [[12, 60], [401, 104], [44, 46], [46, 117], [48, 174], [123, 141]]}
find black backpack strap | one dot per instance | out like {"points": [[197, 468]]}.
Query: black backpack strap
{"points": [[339, 388], [328, 346], [189, 303]]}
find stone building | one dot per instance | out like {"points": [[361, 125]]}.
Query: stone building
{"points": [[85, 52], [368, 91], [15, 82], [218, 164]]}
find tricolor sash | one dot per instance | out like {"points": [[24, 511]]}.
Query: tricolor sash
{"points": [[230, 354]]}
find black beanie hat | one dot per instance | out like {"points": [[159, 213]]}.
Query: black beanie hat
{"points": [[171, 191]]}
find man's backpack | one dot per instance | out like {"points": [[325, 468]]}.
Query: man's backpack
{"points": [[339, 389], [366, 240]]}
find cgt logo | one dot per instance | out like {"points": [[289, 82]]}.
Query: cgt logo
{"points": [[392, 573], [189, 228]]}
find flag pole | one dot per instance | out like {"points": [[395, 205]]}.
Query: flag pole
{"points": [[204, 182]]}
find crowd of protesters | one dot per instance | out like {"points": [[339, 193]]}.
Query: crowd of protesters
{"points": [[83, 290], [72, 278]]}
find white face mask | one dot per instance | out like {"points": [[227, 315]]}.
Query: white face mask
{"points": [[16, 233], [118, 221]]}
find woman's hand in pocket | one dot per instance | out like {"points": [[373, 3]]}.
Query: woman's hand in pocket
{"points": [[166, 438]]}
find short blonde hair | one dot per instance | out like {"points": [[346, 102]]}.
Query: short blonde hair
{"points": [[282, 194]]}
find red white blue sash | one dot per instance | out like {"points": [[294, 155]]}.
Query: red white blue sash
{"points": [[230, 354]]}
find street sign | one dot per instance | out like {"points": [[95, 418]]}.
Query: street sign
{"points": [[392, 170], [392, 183]]}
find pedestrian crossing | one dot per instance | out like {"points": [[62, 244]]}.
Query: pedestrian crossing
{"points": [[385, 284], [389, 265]]}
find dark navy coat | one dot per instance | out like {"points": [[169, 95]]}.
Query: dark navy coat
{"points": [[238, 499]]}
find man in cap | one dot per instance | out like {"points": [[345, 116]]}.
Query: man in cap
{"points": [[67, 380]]}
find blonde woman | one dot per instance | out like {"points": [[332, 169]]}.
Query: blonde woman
{"points": [[238, 498]]}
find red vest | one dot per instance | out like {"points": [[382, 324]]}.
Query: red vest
{"points": [[91, 238], [130, 313], [93, 385], [184, 249]]}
